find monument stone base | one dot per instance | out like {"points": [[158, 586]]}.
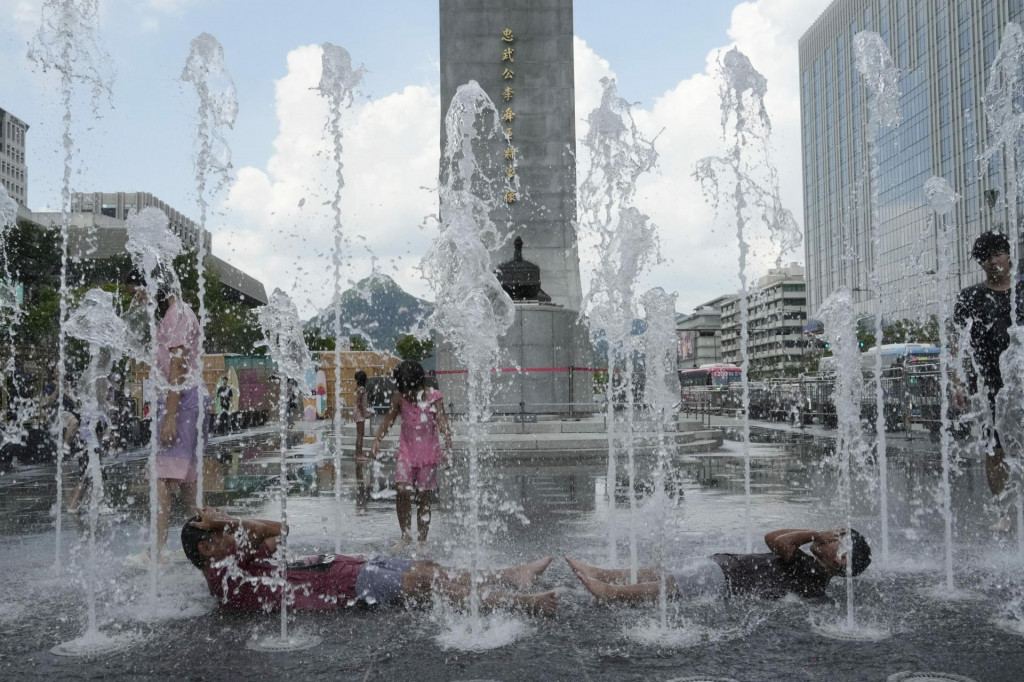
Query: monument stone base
{"points": [[546, 366]]}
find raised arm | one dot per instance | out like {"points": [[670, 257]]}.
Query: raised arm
{"points": [[786, 542], [389, 419], [256, 531]]}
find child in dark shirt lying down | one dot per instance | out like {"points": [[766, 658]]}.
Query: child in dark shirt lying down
{"points": [[771, 575]]}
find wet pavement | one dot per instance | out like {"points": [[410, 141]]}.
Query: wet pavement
{"points": [[534, 510]]}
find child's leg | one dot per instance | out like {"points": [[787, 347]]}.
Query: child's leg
{"points": [[613, 576], [641, 593], [425, 480], [423, 513], [403, 504], [521, 576], [423, 582], [360, 429]]}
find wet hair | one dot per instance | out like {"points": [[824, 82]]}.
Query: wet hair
{"points": [[360, 378], [989, 244], [861, 553], [190, 539], [164, 289], [135, 277], [409, 376]]}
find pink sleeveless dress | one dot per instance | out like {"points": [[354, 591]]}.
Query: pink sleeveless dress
{"points": [[419, 444]]}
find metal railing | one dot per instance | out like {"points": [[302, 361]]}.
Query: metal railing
{"points": [[911, 396]]}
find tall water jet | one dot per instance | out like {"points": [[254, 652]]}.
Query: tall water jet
{"points": [[287, 346], [96, 323], [942, 199], [206, 69], [153, 248], [626, 245], [837, 315], [875, 65], [1004, 114], [471, 311], [747, 128], [10, 314], [67, 42], [661, 393], [338, 81]]}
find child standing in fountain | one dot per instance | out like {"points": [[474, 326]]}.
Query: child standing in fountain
{"points": [[419, 446]]}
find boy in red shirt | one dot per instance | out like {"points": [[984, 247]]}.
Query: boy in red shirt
{"points": [[237, 558]]}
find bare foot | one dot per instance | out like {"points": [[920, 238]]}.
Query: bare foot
{"points": [[542, 604], [523, 576], [581, 569], [597, 588], [402, 543]]}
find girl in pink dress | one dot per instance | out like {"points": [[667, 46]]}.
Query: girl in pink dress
{"points": [[419, 447]]}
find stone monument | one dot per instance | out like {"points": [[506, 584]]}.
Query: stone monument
{"points": [[521, 54]]}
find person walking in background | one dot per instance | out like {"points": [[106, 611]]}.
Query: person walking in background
{"points": [[419, 447], [360, 413], [982, 313], [224, 396]]}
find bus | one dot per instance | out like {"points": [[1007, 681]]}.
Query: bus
{"points": [[707, 387], [717, 375], [892, 354]]}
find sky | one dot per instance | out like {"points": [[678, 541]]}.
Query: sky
{"points": [[271, 220]]}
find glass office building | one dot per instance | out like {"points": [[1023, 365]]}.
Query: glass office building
{"points": [[943, 50]]}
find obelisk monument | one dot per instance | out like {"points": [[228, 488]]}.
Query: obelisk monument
{"points": [[521, 54]]}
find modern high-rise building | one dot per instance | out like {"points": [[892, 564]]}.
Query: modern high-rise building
{"points": [[13, 171], [943, 50]]}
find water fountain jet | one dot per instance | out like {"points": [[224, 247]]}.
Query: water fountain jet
{"points": [[837, 314], [95, 322], [472, 311], [67, 42], [287, 346], [627, 244], [206, 69], [755, 190], [875, 65], [338, 81]]}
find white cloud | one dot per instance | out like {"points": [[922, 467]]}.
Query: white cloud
{"points": [[170, 6], [701, 250], [390, 154]]}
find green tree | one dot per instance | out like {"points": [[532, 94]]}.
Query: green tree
{"points": [[316, 342], [411, 348], [231, 325], [357, 342], [901, 331]]}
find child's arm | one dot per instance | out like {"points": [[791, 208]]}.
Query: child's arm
{"points": [[256, 530], [389, 419], [442, 424]]}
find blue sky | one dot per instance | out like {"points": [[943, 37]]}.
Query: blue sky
{"points": [[654, 48]]}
